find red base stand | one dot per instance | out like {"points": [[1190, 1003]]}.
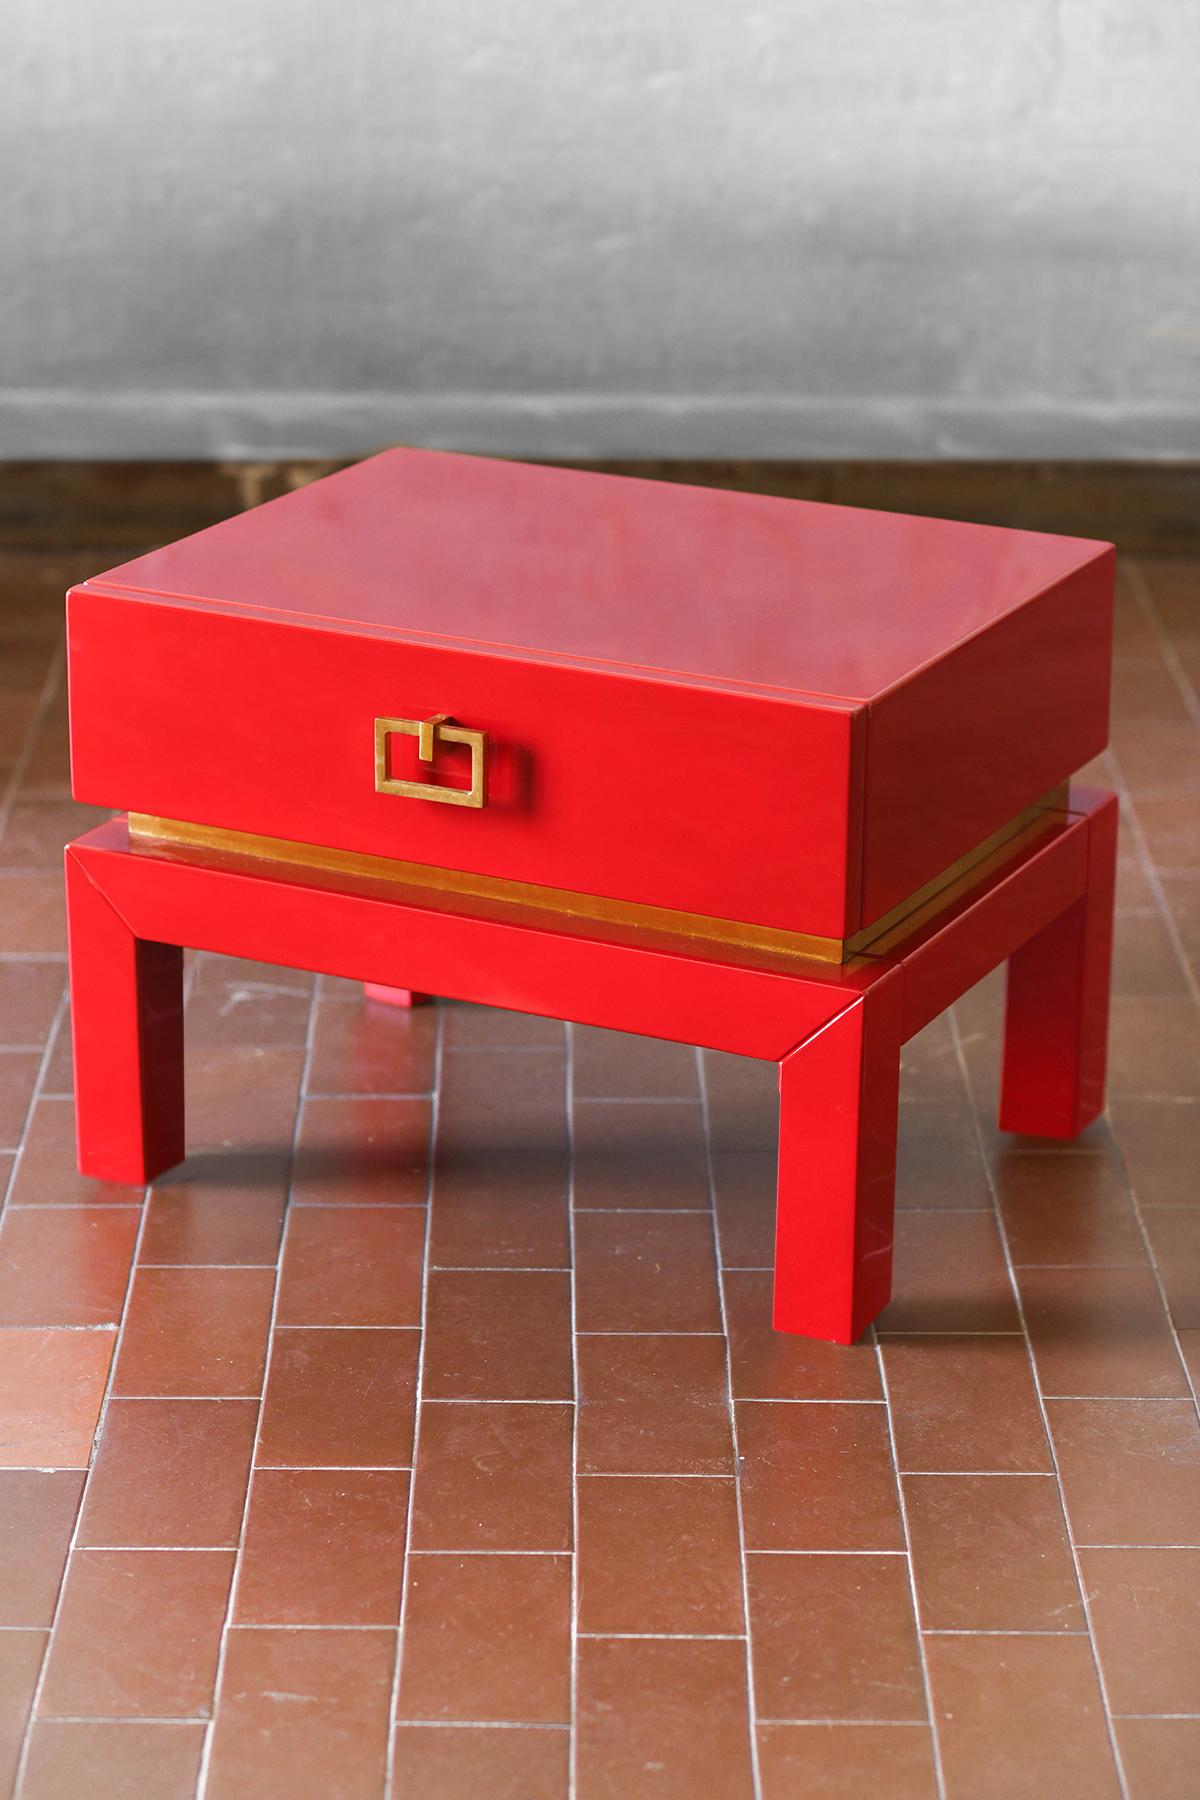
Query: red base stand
{"points": [[835, 1032]]}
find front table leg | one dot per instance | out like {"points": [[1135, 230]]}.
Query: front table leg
{"points": [[838, 1105], [1056, 1013], [127, 1035]]}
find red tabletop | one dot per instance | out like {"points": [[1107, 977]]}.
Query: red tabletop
{"points": [[739, 588]]}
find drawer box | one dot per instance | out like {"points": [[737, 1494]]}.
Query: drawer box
{"points": [[783, 716]]}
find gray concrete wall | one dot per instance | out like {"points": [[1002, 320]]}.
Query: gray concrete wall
{"points": [[798, 227]]}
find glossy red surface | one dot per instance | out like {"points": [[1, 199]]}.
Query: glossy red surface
{"points": [[764, 710], [128, 1034], [959, 946], [128, 907], [1056, 1020], [596, 783], [601, 569], [838, 1099], [966, 742]]}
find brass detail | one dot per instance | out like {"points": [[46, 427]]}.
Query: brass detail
{"points": [[591, 907], [952, 876], [427, 733]]}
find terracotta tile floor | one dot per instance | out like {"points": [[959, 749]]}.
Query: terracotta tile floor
{"points": [[424, 1435]]}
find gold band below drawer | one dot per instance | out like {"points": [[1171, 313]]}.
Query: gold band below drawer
{"points": [[153, 830]]}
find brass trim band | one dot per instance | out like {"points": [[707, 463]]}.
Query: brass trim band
{"points": [[151, 830]]}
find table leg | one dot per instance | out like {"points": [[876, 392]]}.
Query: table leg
{"points": [[127, 1035], [838, 1102], [1056, 1014], [393, 996]]}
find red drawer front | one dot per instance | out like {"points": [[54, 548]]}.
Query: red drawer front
{"points": [[693, 798]]}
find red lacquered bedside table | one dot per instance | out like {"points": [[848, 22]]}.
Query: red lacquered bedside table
{"points": [[765, 776]]}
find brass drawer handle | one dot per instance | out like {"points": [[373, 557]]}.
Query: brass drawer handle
{"points": [[427, 733]]}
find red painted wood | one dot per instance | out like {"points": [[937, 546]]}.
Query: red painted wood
{"points": [[599, 783], [835, 1033], [959, 747], [958, 947], [764, 710], [842, 701], [657, 577], [394, 996], [838, 1098], [1056, 1014], [127, 1039]]}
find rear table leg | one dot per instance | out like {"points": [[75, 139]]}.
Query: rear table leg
{"points": [[1056, 1015], [838, 1102], [392, 996], [127, 1034]]}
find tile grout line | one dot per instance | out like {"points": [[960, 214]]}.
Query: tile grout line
{"points": [[102, 1412], [656, 1212], [1045, 1417], [997, 1474], [751, 1696], [149, 1399], [364, 1098], [1142, 1399], [435, 1108], [490, 1551], [1144, 600], [650, 1333], [1162, 1715], [45, 700], [485, 1724], [1172, 1328], [935, 1736], [808, 1400], [573, 1676], [887, 1724], [987, 1631], [667, 1637], [389, 1469], [474, 1400], [206, 1753], [291, 1327], [338, 1468], [652, 1475], [1132, 825], [74, 1546], [1141, 1546], [60, 1013], [500, 1269], [119, 1719], [824, 1550]]}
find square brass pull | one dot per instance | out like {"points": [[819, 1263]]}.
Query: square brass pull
{"points": [[427, 733]]}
